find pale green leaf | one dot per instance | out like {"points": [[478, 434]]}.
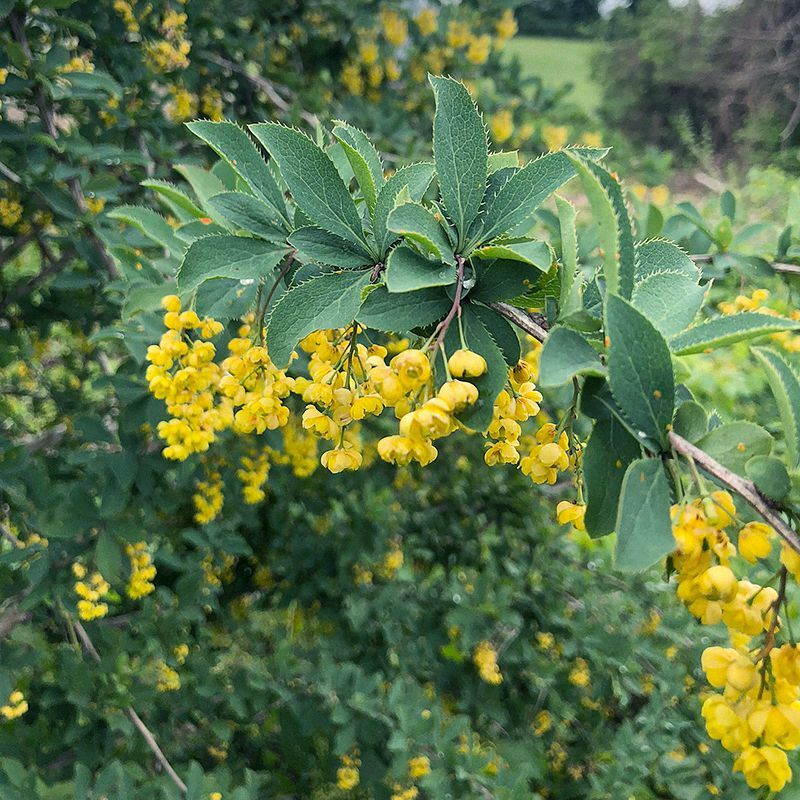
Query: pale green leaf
{"points": [[727, 330], [785, 385], [407, 270]]}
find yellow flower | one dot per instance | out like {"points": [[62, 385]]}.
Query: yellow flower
{"points": [[368, 53], [427, 21], [16, 706], [506, 26], [466, 364], [592, 139], [567, 512], [764, 766], [485, 659], [501, 125], [341, 458], [579, 674], [555, 136], [479, 48], [458, 33], [754, 541], [395, 28], [418, 767]]}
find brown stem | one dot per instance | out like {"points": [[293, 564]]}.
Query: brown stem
{"points": [[441, 329], [769, 638], [522, 319], [88, 645], [778, 266], [744, 488]]}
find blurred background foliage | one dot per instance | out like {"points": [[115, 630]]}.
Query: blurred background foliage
{"points": [[337, 623]]}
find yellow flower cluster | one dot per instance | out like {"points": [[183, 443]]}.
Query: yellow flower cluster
{"points": [[171, 52], [485, 659], [208, 499], [125, 9], [182, 104], [143, 571], [253, 474], [514, 405], [555, 136], [548, 455], [16, 706], [91, 592], [756, 716], [167, 679], [579, 674], [418, 767], [347, 776], [788, 340], [10, 211], [211, 104], [381, 49], [82, 63]]}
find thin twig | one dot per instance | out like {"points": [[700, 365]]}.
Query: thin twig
{"points": [[778, 266], [522, 319], [88, 645], [442, 328], [268, 87], [744, 488]]}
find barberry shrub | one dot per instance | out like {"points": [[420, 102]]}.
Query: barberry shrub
{"points": [[358, 291]]}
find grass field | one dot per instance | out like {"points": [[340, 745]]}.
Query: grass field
{"points": [[560, 61]]}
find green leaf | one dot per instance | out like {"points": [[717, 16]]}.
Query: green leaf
{"points": [[663, 274], [460, 152], [727, 205], [770, 476], [152, 225], [171, 192], [227, 257], [526, 190], [403, 311], [205, 185], [313, 181], [529, 251], [565, 355], [640, 370], [413, 221], [502, 160], [364, 160], [615, 234], [327, 301], [569, 301], [225, 298], [407, 270], [417, 178], [735, 443], [608, 453], [317, 246], [248, 213], [723, 331], [785, 385], [237, 149], [109, 558], [691, 421], [502, 331], [502, 280], [644, 529]]}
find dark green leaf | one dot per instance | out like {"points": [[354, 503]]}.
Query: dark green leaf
{"points": [[317, 246], [228, 257], [735, 443], [328, 301], [644, 529], [640, 370], [407, 270]]}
